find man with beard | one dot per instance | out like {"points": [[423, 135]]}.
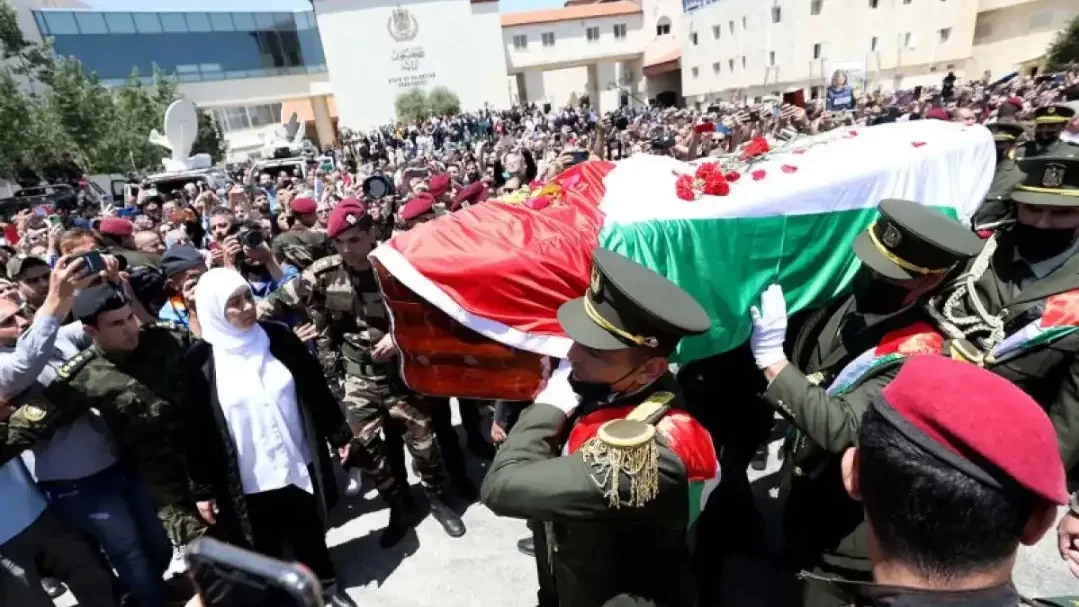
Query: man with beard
{"points": [[842, 357], [997, 206], [246, 251], [1049, 123], [1017, 301]]}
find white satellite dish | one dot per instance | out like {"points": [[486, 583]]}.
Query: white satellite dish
{"points": [[181, 128], [292, 127]]}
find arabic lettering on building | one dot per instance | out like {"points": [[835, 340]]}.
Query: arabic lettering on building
{"points": [[408, 58]]}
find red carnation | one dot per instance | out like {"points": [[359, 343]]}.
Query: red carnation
{"points": [[756, 147], [717, 185], [733, 176], [705, 170], [758, 174], [684, 188]]}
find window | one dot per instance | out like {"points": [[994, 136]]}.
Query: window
{"points": [[663, 26], [695, 71], [771, 57], [906, 1], [816, 50], [743, 62], [120, 23], [221, 22], [873, 43], [173, 22], [245, 22], [814, 92], [777, 15], [147, 23], [715, 67], [592, 34], [198, 22], [730, 65], [236, 119], [743, 23], [548, 38], [91, 23], [520, 42], [61, 23], [945, 33], [716, 31], [730, 25], [815, 6], [693, 38], [619, 31], [908, 40], [873, 3]]}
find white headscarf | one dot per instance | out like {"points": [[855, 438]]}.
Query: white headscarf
{"points": [[256, 392]]}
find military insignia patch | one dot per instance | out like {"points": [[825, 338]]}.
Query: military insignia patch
{"points": [[34, 411], [891, 236], [351, 219], [815, 378], [1053, 177]]}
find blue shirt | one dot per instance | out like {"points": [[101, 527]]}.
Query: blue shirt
{"points": [[261, 288], [839, 99], [23, 501]]}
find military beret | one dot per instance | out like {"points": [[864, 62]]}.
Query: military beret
{"points": [[303, 205], [472, 194], [19, 263], [439, 185], [181, 257], [99, 298], [418, 205], [347, 214], [977, 422], [116, 226]]}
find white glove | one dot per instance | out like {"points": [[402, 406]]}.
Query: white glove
{"points": [[558, 392], [769, 327]]}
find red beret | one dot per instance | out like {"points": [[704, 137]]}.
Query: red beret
{"points": [[978, 422], [472, 194], [348, 213], [116, 226], [938, 113], [439, 185], [303, 205], [418, 205]]}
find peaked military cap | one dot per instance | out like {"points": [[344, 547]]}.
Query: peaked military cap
{"points": [[1051, 180], [628, 306], [1052, 114], [910, 240], [1005, 131], [102, 297]]}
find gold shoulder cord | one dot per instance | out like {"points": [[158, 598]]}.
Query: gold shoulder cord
{"points": [[606, 325]]}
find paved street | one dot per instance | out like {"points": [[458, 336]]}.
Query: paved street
{"points": [[484, 568]]}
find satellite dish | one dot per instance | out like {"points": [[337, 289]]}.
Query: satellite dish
{"points": [[181, 127], [292, 127]]}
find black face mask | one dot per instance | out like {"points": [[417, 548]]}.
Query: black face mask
{"points": [[594, 391], [874, 296], [1035, 244]]}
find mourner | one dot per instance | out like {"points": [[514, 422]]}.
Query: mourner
{"points": [[997, 206], [840, 360], [603, 463]]}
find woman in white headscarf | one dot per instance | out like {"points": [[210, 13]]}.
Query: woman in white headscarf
{"points": [[262, 416]]}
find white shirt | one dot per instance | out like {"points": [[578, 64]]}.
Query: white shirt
{"points": [[270, 440]]}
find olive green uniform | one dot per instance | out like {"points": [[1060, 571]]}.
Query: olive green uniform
{"points": [[592, 550], [347, 309], [139, 396], [997, 206]]}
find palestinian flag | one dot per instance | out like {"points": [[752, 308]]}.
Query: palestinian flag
{"points": [[788, 216]]}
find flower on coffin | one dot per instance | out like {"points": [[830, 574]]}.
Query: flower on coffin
{"points": [[708, 179], [706, 170], [758, 174], [683, 187], [733, 176], [758, 146], [716, 184]]}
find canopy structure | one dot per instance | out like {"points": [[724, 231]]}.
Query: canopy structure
{"points": [[788, 216]]}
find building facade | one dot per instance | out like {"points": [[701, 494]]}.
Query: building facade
{"points": [[749, 48]]}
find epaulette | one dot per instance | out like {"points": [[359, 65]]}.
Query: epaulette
{"points": [[627, 447], [325, 263], [73, 364]]}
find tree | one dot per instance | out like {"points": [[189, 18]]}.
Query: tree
{"points": [[1064, 51], [208, 140], [411, 105], [443, 102]]}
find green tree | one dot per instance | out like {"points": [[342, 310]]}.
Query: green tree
{"points": [[411, 105], [441, 101], [1064, 51], [209, 140]]}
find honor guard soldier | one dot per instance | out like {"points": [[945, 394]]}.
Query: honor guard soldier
{"points": [[955, 468], [1018, 301], [340, 294], [607, 462], [1049, 123], [997, 206], [841, 359]]}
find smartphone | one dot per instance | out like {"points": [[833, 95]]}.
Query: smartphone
{"points": [[578, 156], [93, 262], [705, 127], [227, 576]]}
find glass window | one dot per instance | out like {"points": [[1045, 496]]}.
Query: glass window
{"points": [[716, 31], [815, 6], [305, 21], [548, 38], [120, 23], [41, 27], [695, 71], [777, 15], [771, 57], [715, 67], [264, 21], [61, 23], [221, 22], [245, 22], [693, 38], [91, 23], [284, 22], [147, 23], [592, 34], [262, 115], [520, 42], [236, 118], [198, 22], [816, 50], [619, 31], [290, 48], [173, 22]]}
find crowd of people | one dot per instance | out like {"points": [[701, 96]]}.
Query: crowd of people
{"points": [[199, 362]]}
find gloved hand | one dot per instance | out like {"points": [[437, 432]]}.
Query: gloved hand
{"points": [[769, 327], [558, 392]]}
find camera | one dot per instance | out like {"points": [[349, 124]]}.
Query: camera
{"points": [[249, 236]]}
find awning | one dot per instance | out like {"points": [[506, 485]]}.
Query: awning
{"points": [[662, 64]]}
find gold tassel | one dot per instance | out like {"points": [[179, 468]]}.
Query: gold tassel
{"points": [[639, 463]]}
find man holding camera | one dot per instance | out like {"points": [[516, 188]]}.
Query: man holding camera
{"points": [[246, 251]]}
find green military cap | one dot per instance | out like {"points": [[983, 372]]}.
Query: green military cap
{"points": [[1051, 180], [911, 240], [1005, 131], [627, 305], [1051, 114]]}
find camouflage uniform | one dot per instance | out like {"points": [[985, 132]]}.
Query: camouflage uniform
{"points": [[140, 396], [347, 309]]}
